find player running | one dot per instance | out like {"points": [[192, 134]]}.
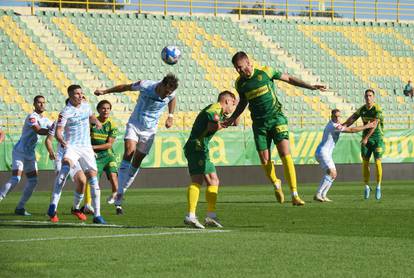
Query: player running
{"points": [[325, 149], [74, 121], [256, 88], [196, 150], [23, 156], [372, 139], [142, 125]]}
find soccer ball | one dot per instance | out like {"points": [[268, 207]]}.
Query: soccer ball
{"points": [[170, 55]]}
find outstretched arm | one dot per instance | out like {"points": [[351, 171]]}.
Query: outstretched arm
{"points": [[39, 130], [171, 107], [351, 120], [300, 83], [358, 128], [49, 147], [116, 89], [239, 109]]}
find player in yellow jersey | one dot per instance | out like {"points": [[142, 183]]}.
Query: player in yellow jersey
{"points": [[256, 88], [372, 139]]}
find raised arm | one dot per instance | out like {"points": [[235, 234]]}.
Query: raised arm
{"points": [[351, 119], [300, 83], [116, 89], [171, 107], [239, 110]]}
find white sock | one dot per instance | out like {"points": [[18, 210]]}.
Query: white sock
{"points": [[326, 181], [325, 191], [379, 185], [96, 195], [367, 186], [132, 173], [10, 184], [191, 215], [59, 184], [77, 200], [122, 175], [27, 192]]}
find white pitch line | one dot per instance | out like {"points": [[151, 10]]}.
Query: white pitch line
{"points": [[115, 236], [82, 224]]}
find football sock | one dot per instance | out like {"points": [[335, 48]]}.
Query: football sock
{"points": [[378, 165], [96, 195], [193, 192], [122, 175], [328, 186], [132, 173], [211, 197], [88, 199], [290, 173], [10, 184], [270, 171], [325, 182], [27, 192], [77, 199], [365, 170], [59, 183]]}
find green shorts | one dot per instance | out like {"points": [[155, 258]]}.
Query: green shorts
{"points": [[275, 129], [106, 164], [199, 162], [373, 146]]}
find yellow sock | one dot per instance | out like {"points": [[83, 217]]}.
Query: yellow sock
{"points": [[88, 198], [378, 165], [290, 173], [365, 170], [270, 171], [193, 191], [211, 197]]}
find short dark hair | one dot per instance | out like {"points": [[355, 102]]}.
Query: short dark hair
{"points": [[334, 111], [102, 102], [67, 101], [170, 80], [369, 90], [73, 87], [225, 94], [36, 98], [238, 56]]}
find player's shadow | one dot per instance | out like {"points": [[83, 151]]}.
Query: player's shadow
{"points": [[243, 202]]}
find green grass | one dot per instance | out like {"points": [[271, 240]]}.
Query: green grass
{"points": [[350, 237]]}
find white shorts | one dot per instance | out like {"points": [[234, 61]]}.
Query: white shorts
{"points": [[73, 170], [22, 161], [325, 161], [143, 137], [85, 156]]}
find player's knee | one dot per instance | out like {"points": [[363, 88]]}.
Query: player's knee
{"points": [[93, 182]]}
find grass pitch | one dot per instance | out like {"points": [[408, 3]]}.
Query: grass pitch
{"points": [[350, 237]]}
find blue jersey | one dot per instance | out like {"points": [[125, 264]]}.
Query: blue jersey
{"points": [[75, 121], [28, 140], [149, 105]]}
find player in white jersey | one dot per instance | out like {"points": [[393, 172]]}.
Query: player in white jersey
{"points": [[74, 121], [142, 125], [76, 173], [325, 149], [24, 158]]}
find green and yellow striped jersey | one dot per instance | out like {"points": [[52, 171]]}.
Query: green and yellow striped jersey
{"points": [[368, 115], [200, 136], [259, 90], [100, 136]]}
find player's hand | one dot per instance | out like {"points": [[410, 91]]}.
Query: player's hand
{"points": [[99, 92], [370, 125], [169, 122], [98, 124], [52, 156], [227, 122], [364, 141], [319, 87], [62, 144]]}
